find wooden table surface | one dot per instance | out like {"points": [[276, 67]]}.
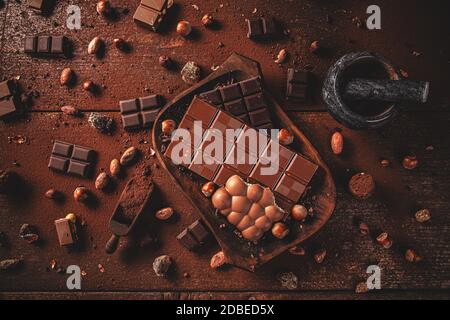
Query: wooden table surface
{"points": [[407, 27]]}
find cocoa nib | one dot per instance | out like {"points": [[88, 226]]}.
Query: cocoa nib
{"points": [[28, 233]]}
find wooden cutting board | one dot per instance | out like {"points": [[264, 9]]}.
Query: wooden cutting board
{"points": [[321, 196]]}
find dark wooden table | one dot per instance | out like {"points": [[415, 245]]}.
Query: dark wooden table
{"points": [[408, 27]]}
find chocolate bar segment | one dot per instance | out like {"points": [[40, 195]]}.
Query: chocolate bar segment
{"points": [[141, 112], [261, 28], [298, 85], [46, 45], [150, 13], [72, 159], [194, 235], [67, 233], [244, 100], [9, 99], [249, 154]]}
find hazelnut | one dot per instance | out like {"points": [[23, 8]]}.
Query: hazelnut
{"points": [[423, 215], [184, 28], [280, 230], [165, 62], [88, 85], [95, 45], [337, 143], [299, 212], [208, 189], [410, 162], [120, 44], [164, 214], [412, 256], [285, 137], [218, 260], [53, 194], [104, 8], [67, 77], [72, 217], [319, 255], [81, 194], [207, 20], [384, 240], [114, 167], [315, 47], [168, 126]]}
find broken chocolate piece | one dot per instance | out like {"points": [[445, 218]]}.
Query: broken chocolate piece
{"points": [[150, 13], [9, 99], [140, 113], [261, 28], [66, 230], [298, 85], [194, 235], [72, 159]]}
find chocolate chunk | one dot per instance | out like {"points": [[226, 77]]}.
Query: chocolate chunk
{"points": [[150, 13], [46, 45], [66, 231], [9, 100], [199, 231], [140, 113], [194, 235], [298, 85], [261, 28], [187, 239], [37, 4], [72, 159]]}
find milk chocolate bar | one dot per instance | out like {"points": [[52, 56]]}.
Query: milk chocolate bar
{"points": [[66, 230], [261, 28], [194, 235], [72, 159], [298, 85], [245, 100], [150, 13], [141, 112], [46, 45], [240, 157], [9, 100]]}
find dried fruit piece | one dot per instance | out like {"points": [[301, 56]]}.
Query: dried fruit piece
{"points": [[299, 212], [161, 265], [9, 264], [208, 189], [218, 260], [67, 76], [129, 156], [410, 162], [102, 181], [28, 233], [423, 215], [320, 255], [384, 240], [337, 143], [164, 214], [114, 167], [191, 72], [412, 256]]}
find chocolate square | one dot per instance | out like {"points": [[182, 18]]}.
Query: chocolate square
{"points": [[223, 122], [131, 121], [78, 168], [148, 117], [58, 44], [187, 240], [36, 4], [30, 45], [6, 89], [147, 17], [230, 92], [44, 44], [302, 169], [212, 97], [149, 102], [255, 28], [241, 160], [235, 107], [127, 106], [188, 124], [212, 139], [59, 164], [65, 231], [185, 158], [82, 154], [290, 188], [207, 171], [198, 230], [62, 149], [224, 173], [251, 86], [202, 111], [259, 117], [255, 102], [158, 5], [72, 159]]}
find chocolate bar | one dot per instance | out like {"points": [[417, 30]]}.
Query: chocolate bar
{"points": [[72, 159], [150, 13], [66, 230], [261, 28], [194, 235], [298, 85], [46, 45], [9, 100], [245, 100], [141, 112], [39, 5], [245, 154]]}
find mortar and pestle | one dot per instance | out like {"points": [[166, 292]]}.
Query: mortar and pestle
{"points": [[364, 90]]}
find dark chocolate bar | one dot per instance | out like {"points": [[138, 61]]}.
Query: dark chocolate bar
{"points": [[150, 13], [244, 100], [289, 181], [67, 233], [72, 159], [141, 112], [46, 45], [9, 100], [298, 85], [194, 235], [261, 28]]}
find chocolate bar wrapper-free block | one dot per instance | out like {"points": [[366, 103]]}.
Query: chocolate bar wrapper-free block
{"points": [[46, 45], [72, 159], [150, 13], [66, 230], [9, 100]]}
